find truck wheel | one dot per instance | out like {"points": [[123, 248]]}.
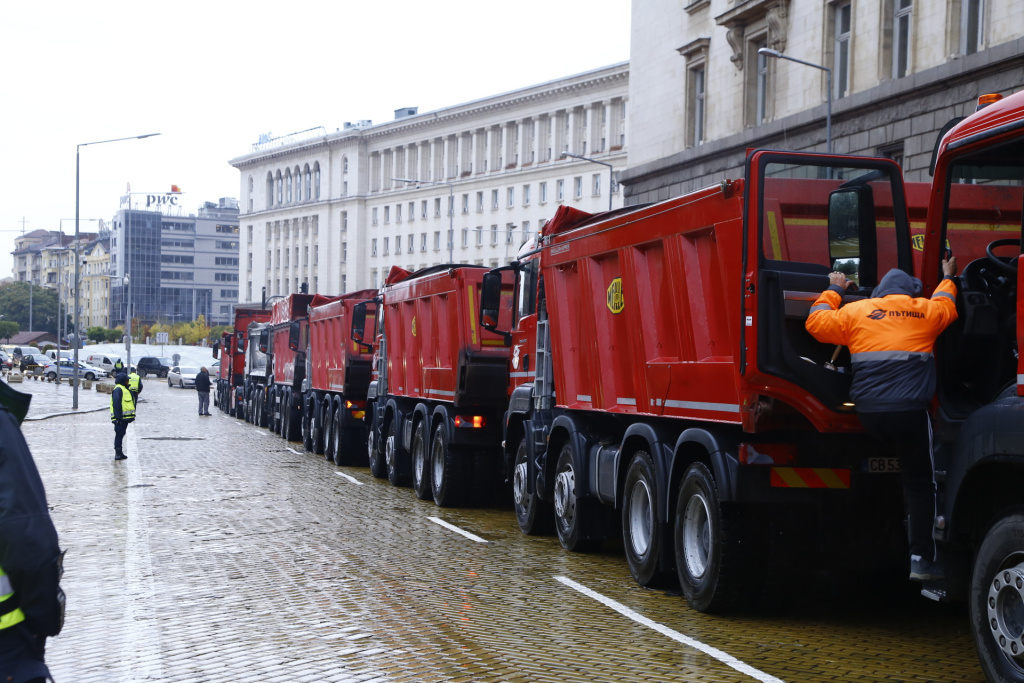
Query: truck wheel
{"points": [[348, 446], [307, 423], [534, 515], [395, 474], [997, 600], [260, 410], [641, 533], [378, 467], [293, 432], [574, 514], [421, 461], [286, 416], [450, 472], [316, 426], [327, 422], [713, 551]]}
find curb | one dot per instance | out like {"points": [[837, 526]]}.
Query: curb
{"points": [[74, 412]]}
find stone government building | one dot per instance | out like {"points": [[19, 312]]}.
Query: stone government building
{"points": [[701, 94]]}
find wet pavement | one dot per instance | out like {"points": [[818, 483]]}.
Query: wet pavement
{"points": [[50, 399], [217, 552]]}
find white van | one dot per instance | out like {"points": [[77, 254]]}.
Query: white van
{"points": [[103, 361], [52, 354]]}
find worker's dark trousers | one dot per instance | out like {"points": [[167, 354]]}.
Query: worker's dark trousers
{"points": [[120, 427], [908, 436]]}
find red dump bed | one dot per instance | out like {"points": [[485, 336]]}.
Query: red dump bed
{"points": [[337, 362], [436, 348], [292, 307], [232, 363]]}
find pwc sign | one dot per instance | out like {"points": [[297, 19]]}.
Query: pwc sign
{"points": [[162, 200]]}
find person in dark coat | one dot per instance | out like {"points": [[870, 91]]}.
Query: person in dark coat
{"points": [[122, 412], [31, 562], [203, 390]]}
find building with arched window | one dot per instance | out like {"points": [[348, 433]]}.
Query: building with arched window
{"points": [[465, 184]]}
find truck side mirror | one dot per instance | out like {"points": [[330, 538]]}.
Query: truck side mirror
{"points": [[216, 348], [294, 335], [359, 322], [240, 342], [264, 343], [490, 300], [851, 233]]}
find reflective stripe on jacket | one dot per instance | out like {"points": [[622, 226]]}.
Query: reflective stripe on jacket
{"points": [[126, 404], [8, 618], [891, 341], [134, 381]]}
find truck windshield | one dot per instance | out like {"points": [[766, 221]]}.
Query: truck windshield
{"points": [[528, 288], [985, 202]]}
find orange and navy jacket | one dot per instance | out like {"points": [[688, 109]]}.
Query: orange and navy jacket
{"points": [[891, 339]]}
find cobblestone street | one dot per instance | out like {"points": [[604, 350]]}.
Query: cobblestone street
{"points": [[217, 552]]}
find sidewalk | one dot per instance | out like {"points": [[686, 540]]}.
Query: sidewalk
{"points": [[50, 399]]}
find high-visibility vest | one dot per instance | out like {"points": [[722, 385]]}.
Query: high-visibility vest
{"points": [[8, 618], [127, 405], [133, 382]]}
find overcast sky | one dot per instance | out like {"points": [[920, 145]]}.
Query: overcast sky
{"points": [[213, 76]]}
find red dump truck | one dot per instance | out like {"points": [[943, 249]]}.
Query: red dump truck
{"points": [[281, 400], [231, 350], [337, 378], [435, 406]]}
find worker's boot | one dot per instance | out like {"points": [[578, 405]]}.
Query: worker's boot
{"points": [[119, 454]]}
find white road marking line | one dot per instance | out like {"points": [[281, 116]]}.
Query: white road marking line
{"points": [[350, 478], [723, 657], [456, 529], [293, 450]]}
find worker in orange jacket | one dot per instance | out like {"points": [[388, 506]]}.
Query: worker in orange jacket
{"points": [[891, 337]]}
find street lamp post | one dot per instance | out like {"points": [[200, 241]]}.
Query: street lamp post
{"points": [[451, 208], [611, 178], [78, 177], [768, 52]]}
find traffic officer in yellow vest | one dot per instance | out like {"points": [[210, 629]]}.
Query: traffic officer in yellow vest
{"points": [[134, 385], [122, 412], [31, 563]]}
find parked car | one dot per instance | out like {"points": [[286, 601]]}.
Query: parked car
{"points": [[19, 351], [153, 365], [66, 368], [104, 361], [182, 376], [5, 360], [30, 361], [52, 354]]}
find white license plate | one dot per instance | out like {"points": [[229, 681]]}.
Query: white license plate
{"points": [[883, 465]]}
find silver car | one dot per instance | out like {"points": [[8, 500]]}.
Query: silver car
{"points": [[182, 376]]}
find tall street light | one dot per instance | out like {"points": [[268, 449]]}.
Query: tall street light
{"points": [[611, 178], [78, 177], [768, 52], [451, 208]]}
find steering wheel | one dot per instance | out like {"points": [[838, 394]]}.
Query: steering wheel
{"points": [[1008, 265]]}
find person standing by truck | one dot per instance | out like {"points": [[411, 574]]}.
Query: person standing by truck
{"points": [[891, 337], [203, 390], [31, 563], [122, 412]]}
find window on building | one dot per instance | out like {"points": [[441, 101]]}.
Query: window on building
{"points": [[344, 252], [509, 229], [412, 211], [577, 184], [511, 192], [494, 199], [971, 26], [841, 54], [398, 213], [494, 234], [695, 120], [901, 37], [762, 93], [387, 215], [344, 221], [543, 192], [526, 231], [437, 207], [526, 195], [316, 180], [288, 186], [423, 209], [479, 201], [387, 240], [409, 242], [280, 189], [559, 190], [373, 247], [894, 152], [465, 237], [480, 236], [437, 241], [465, 203], [595, 185], [373, 216], [423, 241], [398, 245]]}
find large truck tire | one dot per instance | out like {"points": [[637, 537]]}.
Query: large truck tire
{"points": [[421, 461], [316, 426], [997, 600], [575, 515], [535, 516], [330, 434], [308, 411], [641, 534], [450, 471], [348, 448], [714, 547], [293, 424], [286, 416], [392, 456], [378, 467]]}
